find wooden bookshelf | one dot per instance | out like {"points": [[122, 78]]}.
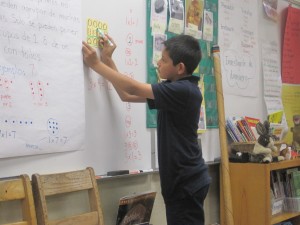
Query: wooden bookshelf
{"points": [[250, 187]]}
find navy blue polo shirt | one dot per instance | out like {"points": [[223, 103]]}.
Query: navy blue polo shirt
{"points": [[181, 166]]}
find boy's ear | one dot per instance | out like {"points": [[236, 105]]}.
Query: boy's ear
{"points": [[181, 68]]}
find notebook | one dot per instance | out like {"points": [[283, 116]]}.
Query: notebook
{"points": [[136, 209]]}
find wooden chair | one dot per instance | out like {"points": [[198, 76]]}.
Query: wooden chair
{"points": [[63, 183], [19, 188]]}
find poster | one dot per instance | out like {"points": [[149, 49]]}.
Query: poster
{"points": [[41, 77]]}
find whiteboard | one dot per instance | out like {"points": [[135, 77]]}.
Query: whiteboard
{"points": [[104, 148], [115, 134], [118, 129]]}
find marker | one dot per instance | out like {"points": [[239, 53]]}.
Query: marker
{"points": [[103, 35], [126, 172], [117, 172], [134, 171], [102, 176]]}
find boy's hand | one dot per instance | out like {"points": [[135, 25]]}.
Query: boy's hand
{"points": [[106, 50], [90, 57]]}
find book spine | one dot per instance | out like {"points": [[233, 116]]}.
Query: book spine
{"points": [[243, 130], [231, 133], [244, 139], [252, 123], [248, 128], [235, 130]]}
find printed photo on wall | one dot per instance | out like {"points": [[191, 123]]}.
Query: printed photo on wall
{"points": [[208, 26], [202, 116], [158, 20], [158, 45], [194, 17], [176, 22]]}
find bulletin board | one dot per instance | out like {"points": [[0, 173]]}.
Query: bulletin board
{"points": [[205, 69]]}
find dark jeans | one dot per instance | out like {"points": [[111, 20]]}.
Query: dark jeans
{"points": [[187, 211]]}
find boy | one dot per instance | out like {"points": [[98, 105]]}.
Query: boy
{"points": [[183, 174]]}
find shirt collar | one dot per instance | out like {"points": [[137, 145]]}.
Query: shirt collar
{"points": [[191, 78]]}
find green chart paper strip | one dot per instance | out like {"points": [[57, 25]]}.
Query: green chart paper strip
{"points": [[206, 67]]}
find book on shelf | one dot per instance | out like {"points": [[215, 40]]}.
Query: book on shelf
{"points": [[251, 121], [296, 183], [248, 130], [244, 138], [289, 181], [231, 134], [275, 185], [231, 122], [242, 129], [280, 178], [135, 209]]}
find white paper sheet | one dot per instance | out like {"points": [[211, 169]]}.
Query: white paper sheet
{"points": [[41, 77]]}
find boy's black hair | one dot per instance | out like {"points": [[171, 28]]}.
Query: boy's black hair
{"points": [[186, 49]]}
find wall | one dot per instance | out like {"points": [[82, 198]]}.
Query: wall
{"points": [[112, 189]]}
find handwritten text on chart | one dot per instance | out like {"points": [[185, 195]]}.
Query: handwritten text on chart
{"points": [[131, 61], [239, 69], [35, 35], [239, 44]]}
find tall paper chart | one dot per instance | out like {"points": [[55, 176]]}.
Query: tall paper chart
{"points": [[41, 77]]}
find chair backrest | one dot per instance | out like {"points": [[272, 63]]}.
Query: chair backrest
{"points": [[19, 188], [63, 183]]}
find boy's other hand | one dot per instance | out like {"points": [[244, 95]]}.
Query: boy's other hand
{"points": [[90, 57]]}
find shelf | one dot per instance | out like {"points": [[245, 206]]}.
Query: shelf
{"points": [[285, 164], [250, 190], [283, 216]]}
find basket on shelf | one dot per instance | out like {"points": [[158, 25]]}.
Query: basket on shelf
{"points": [[249, 146]]}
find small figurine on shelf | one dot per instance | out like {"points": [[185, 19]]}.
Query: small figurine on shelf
{"points": [[264, 146], [286, 152], [296, 133]]}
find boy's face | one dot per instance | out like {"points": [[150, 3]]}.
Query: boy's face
{"points": [[166, 69]]}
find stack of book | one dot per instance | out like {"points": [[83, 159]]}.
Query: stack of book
{"points": [[285, 184], [242, 129]]}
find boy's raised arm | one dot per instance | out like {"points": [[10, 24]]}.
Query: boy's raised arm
{"points": [[134, 91]]}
